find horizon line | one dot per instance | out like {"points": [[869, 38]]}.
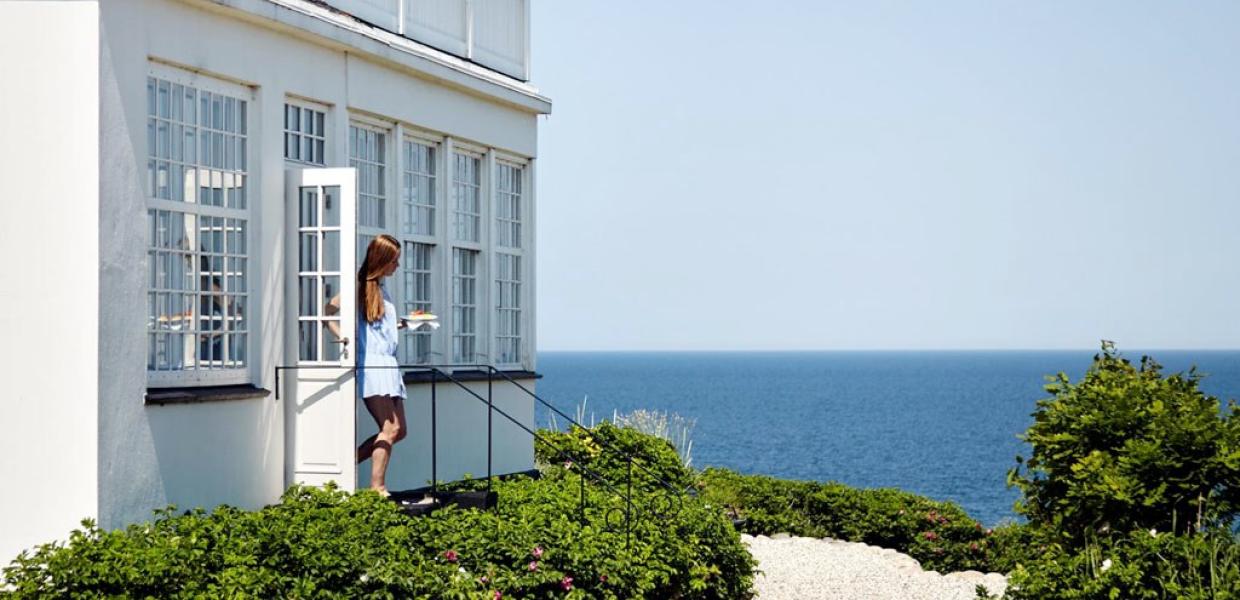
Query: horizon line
{"points": [[773, 350]]}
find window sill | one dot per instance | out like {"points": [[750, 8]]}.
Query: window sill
{"points": [[161, 396], [472, 375]]}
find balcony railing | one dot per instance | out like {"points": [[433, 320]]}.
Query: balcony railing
{"points": [[492, 33]]}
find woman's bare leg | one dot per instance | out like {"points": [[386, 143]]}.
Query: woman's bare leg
{"points": [[389, 415], [365, 450]]}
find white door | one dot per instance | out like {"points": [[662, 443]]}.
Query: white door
{"points": [[321, 325]]}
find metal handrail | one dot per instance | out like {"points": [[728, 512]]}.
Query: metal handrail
{"points": [[438, 371], [597, 440]]}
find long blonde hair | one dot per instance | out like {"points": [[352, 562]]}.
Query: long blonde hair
{"points": [[382, 251]]}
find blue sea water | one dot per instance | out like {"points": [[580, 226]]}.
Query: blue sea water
{"points": [[943, 424]]}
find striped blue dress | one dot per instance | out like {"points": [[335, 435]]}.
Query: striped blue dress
{"points": [[377, 343]]}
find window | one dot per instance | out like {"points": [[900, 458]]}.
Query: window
{"points": [[508, 206], [305, 135], [416, 263], [467, 191], [509, 181], [508, 308], [197, 223], [418, 189], [416, 232], [318, 274], [368, 154], [464, 305]]}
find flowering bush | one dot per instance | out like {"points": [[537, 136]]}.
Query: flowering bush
{"points": [[1139, 566], [325, 543]]}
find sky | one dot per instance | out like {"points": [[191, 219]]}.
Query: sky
{"points": [[720, 175]]}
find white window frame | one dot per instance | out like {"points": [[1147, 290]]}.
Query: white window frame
{"points": [[478, 307], [305, 105], [365, 233], [520, 254], [436, 242], [481, 156], [436, 175], [223, 376]]}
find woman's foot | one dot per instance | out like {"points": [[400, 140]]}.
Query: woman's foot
{"points": [[381, 490]]}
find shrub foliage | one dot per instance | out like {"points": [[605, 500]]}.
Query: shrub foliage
{"points": [[1130, 490], [604, 450], [324, 543], [938, 534], [1127, 448], [1137, 566]]}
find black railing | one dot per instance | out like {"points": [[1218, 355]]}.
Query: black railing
{"points": [[624, 517]]}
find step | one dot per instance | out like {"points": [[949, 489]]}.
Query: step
{"points": [[409, 501]]}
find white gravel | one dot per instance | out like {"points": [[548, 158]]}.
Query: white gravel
{"points": [[795, 568]]}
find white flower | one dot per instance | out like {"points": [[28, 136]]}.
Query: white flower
{"points": [[1106, 564], [1153, 532]]}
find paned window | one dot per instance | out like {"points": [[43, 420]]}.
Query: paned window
{"points": [[368, 154], [508, 206], [198, 288], [318, 274], [464, 305], [508, 308], [418, 189], [305, 135], [416, 263], [467, 192]]}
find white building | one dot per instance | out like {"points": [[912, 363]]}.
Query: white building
{"points": [[189, 181]]}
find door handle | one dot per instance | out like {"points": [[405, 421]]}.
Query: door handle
{"points": [[344, 350]]}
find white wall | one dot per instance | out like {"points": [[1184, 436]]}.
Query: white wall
{"points": [[49, 238], [233, 451], [461, 434]]}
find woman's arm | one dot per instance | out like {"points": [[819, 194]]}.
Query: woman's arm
{"points": [[332, 308]]}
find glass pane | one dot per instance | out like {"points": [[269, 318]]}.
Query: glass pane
{"points": [[309, 208], [242, 285], [331, 289], [230, 114], [164, 90], [309, 251], [308, 305], [331, 349], [331, 206], [331, 251], [236, 313], [308, 341], [191, 185], [237, 348], [190, 115]]}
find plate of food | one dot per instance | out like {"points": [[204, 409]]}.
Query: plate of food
{"points": [[420, 319]]}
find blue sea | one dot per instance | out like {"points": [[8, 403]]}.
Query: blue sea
{"points": [[943, 424]]}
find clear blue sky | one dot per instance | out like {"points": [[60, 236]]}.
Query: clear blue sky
{"points": [[726, 175]]}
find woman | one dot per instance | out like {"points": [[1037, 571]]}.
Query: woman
{"points": [[379, 382]]}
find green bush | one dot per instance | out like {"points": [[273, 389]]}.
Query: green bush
{"points": [[938, 534], [603, 450], [1139, 566], [1127, 448], [329, 544]]}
